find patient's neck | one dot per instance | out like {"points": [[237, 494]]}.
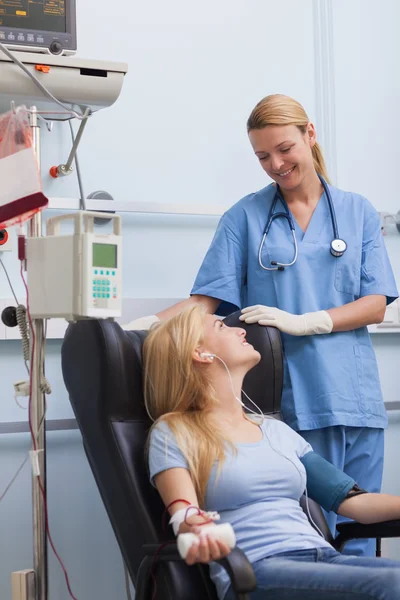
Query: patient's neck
{"points": [[228, 407]]}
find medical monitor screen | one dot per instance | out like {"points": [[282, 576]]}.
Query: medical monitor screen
{"points": [[34, 15], [105, 255], [47, 26]]}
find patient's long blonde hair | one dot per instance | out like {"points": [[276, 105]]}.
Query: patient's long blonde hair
{"points": [[278, 109], [177, 391]]}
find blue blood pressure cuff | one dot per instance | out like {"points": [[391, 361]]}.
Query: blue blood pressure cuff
{"points": [[326, 484]]}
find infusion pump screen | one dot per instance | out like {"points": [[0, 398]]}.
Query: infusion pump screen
{"points": [[34, 15], [105, 255]]}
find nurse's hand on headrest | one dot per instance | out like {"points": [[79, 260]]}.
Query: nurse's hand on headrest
{"points": [[307, 324], [141, 324]]}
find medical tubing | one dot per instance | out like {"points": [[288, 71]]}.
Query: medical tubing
{"points": [[23, 329], [181, 517], [21, 316], [188, 507], [82, 200], [176, 502], [2, 496], [9, 281], [44, 385], [34, 439]]}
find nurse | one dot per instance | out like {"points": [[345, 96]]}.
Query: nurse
{"points": [[321, 302]]}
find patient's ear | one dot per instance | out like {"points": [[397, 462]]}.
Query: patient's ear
{"points": [[202, 355]]}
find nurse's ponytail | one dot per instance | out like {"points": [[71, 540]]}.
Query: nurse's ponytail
{"points": [[278, 109], [319, 161]]}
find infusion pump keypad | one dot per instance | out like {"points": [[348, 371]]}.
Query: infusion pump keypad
{"points": [[104, 286]]}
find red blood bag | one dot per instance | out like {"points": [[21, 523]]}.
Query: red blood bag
{"points": [[21, 193]]}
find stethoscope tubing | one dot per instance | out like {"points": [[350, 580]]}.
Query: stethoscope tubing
{"points": [[272, 216]]}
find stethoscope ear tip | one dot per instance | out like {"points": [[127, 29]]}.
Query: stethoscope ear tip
{"points": [[275, 264]]}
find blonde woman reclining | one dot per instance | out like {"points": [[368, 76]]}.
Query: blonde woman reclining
{"points": [[206, 450]]}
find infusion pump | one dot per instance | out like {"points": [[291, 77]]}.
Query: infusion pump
{"points": [[77, 275]]}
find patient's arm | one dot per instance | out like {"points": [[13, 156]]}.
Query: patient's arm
{"points": [[371, 508], [176, 484], [336, 491], [144, 323]]}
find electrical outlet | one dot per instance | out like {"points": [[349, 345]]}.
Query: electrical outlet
{"points": [[5, 240]]}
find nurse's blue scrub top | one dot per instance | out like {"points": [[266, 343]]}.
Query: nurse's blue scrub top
{"points": [[329, 379]]}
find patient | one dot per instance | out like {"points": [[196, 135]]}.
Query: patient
{"points": [[207, 451]]}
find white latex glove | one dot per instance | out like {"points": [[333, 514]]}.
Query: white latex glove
{"points": [[307, 324], [141, 324]]}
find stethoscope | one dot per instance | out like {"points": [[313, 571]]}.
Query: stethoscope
{"points": [[338, 246]]}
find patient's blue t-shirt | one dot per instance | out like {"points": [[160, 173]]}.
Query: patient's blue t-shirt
{"points": [[257, 492]]}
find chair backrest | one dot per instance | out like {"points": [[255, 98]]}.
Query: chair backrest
{"points": [[102, 370]]}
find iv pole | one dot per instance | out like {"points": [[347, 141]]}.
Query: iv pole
{"points": [[82, 92], [37, 416]]}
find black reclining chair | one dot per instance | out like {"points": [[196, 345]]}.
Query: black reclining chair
{"points": [[102, 371]]}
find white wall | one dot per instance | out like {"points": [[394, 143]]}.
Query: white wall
{"points": [[177, 134], [367, 84], [367, 97]]}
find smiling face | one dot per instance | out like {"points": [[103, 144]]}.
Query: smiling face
{"points": [[229, 344], [284, 152]]}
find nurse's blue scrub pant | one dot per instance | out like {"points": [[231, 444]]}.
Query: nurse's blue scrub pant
{"points": [[358, 451]]}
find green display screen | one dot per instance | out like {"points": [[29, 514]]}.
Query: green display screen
{"points": [[105, 255]]}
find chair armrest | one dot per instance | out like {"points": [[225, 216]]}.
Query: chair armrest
{"points": [[352, 530], [165, 552], [236, 564], [240, 571]]}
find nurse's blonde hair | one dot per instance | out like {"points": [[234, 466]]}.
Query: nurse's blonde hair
{"points": [[278, 109], [178, 392]]}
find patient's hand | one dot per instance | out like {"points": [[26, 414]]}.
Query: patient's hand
{"points": [[207, 548], [194, 524]]}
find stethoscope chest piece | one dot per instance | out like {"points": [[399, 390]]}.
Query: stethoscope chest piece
{"points": [[338, 247]]}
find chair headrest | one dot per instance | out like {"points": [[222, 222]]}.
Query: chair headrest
{"points": [[93, 347], [102, 364]]}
